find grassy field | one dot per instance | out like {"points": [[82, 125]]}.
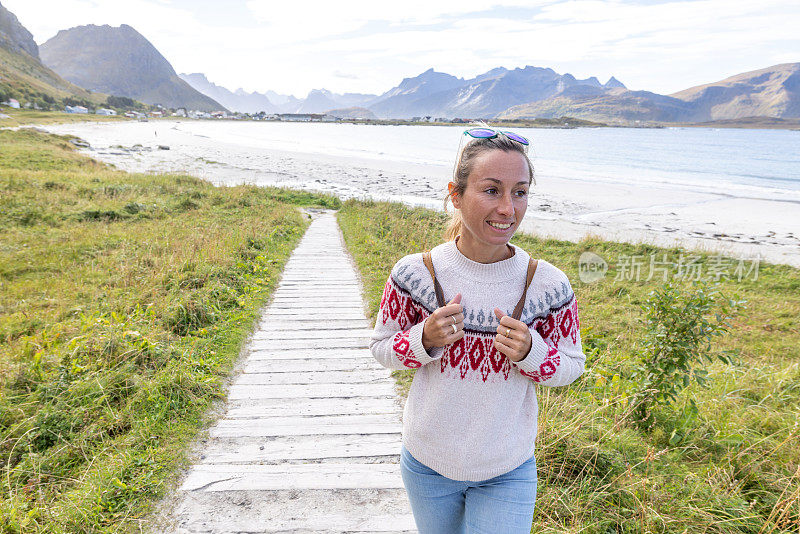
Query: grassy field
{"points": [[733, 466], [124, 300], [23, 117]]}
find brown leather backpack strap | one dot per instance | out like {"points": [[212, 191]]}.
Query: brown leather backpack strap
{"points": [[532, 264], [426, 257]]}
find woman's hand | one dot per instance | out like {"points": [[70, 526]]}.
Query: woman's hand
{"points": [[438, 330], [513, 338]]}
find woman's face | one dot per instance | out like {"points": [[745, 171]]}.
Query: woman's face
{"points": [[495, 200]]}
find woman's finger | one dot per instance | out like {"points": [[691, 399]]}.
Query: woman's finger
{"points": [[507, 320], [459, 317], [502, 348]]}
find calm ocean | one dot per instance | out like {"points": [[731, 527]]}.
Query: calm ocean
{"points": [[764, 163]]}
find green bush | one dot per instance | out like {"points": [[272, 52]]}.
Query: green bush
{"points": [[680, 327]]}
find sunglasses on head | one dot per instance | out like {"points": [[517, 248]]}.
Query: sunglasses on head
{"points": [[491, 133]]}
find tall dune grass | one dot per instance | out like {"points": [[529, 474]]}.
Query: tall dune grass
{"points": [[731, 466]]}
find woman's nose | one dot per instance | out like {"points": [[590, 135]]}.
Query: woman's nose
{"points": [[506, 206]]}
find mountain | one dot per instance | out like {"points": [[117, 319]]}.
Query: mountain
{"points": [[614, 105], [408, 98], [486, 95], [317, 100], [23, 76], [352, 113], [14, 37], [770, 92], [120, 61], [239, 100]]}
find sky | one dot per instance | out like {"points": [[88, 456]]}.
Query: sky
{"points": [[361, 46]]}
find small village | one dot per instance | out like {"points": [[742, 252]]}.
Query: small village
{"points": [[160, 111]]}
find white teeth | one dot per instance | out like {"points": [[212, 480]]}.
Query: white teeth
{"points": [[500, 226]]}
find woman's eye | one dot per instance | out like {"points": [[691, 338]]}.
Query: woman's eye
{"points": [[522, 193], [491, 190]]}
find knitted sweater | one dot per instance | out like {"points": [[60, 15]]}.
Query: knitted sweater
{"points": [[471, 413]]}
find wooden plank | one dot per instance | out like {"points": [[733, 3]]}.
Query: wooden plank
{"points": [[326, 278], [308, 430], [318, 305], [320, 448], [303, 302], [291, 324], [315, 311], [321, 353], [320, 314], [238, 477], [304, 365], [324, 523], [301, 343], [249, 408], [321, 333], [352, 285], [295, 391], [373, 376], [301, 426], [318, 292]]}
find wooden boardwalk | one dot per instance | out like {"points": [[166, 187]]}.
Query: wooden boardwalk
{"points": [[310, 439]]}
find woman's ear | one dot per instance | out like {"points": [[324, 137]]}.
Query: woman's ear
{"points": [[454, 197]]}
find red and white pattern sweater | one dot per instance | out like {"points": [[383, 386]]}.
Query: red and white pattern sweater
{"points": [[472, 413]]}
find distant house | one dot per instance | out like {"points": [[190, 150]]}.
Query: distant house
{"points": [[180, 112], [76, 109], [306, 117], [13, 103], [105, 111]]}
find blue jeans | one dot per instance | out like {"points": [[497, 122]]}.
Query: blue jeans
{"points": [[500, 505]]}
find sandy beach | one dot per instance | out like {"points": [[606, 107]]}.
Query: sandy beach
{"points": [[741, 222]]}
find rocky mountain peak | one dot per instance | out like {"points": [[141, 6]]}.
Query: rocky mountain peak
{"points": [[14, 36]]}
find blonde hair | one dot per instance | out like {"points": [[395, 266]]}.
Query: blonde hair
{"points": [[463, 167]]}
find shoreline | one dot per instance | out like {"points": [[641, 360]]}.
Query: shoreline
{"points": [[561, 207]]}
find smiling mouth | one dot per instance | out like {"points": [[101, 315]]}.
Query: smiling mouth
{"points": [[499, 226]]}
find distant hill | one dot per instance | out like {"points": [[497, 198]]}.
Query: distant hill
{"points": [[120, 61], [770, 92], [352, 113], [613, 105], [317, 100], [23, 76], [238, 100]]}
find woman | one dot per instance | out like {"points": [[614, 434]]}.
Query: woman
{"points": [[470, 420]]}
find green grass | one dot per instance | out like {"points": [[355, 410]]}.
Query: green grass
{"points": [[124, 301], [734, 467], [23, 117]]}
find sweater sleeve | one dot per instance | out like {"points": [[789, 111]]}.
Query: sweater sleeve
{"points": [[556, 357], [397, 339]]}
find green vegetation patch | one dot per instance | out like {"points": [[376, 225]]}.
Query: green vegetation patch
{"points": [[124, 301], [722, 458]]}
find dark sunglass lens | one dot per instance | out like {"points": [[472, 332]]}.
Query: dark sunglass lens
{"points": [[481, 133], [516, 137]]}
